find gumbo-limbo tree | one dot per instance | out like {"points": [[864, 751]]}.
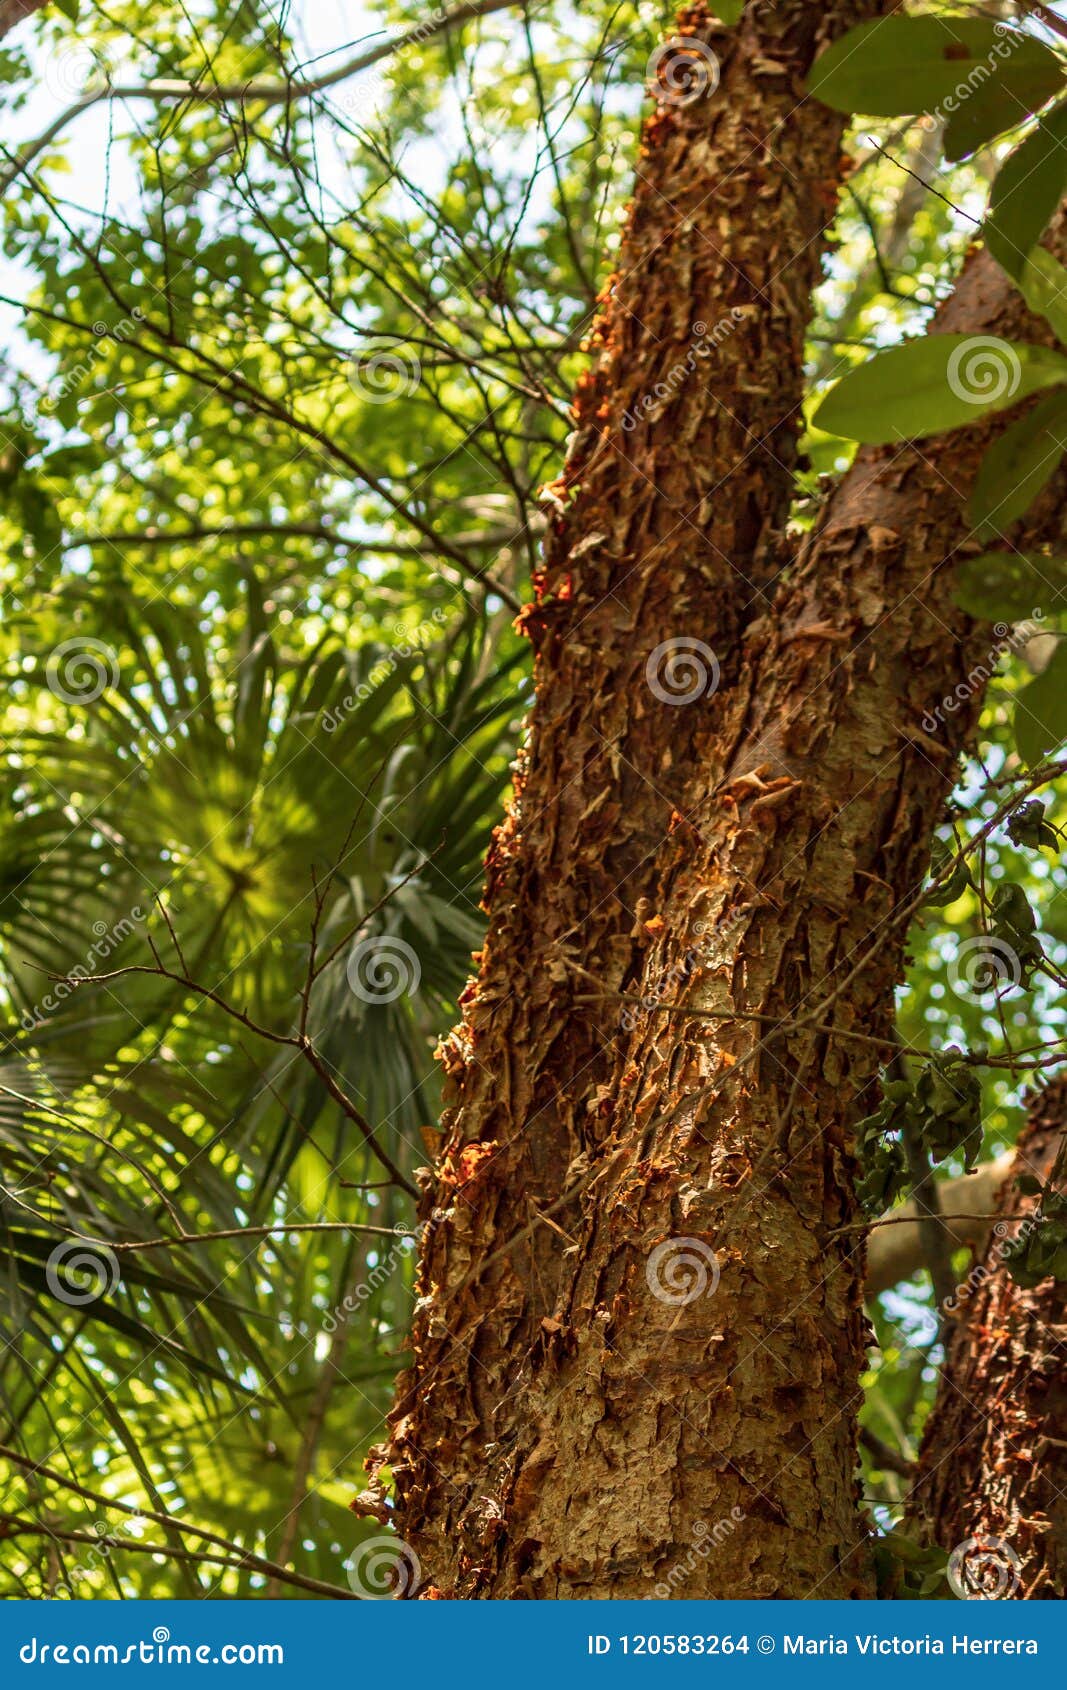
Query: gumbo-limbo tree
{"points": [[721, 818], [647, 430]]}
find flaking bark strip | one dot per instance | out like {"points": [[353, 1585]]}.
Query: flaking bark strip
{"points": [[993, 1464]]}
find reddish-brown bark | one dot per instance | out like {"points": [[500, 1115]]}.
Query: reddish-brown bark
{"points": [[573, 1425], [13, 12], [993, 1466]]}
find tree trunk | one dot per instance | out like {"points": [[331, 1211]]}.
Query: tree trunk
{"points": [[993, 1465], [640, 1331]]}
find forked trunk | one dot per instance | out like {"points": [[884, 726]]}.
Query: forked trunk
{"points": [[640, 1330]]}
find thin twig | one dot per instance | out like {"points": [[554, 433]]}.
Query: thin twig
{"points": [[294, 1041], [169, 1521]]}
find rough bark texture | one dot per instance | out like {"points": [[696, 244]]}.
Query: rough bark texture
{"points": [[993, 1465], [595, 1408]]}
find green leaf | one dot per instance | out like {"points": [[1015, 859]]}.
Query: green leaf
{"points": [[1042, 281], [934, 383], [896, 66], [1016, 84], [1007, 586], [1018, 465], [729, 11], [70, 9], [1041, 711], [954, 887], [1028, 828], [1029, 186]]}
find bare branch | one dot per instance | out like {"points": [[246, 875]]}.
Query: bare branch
{"points": [[130, 1246], [170, 1522], [300, 1042], [241, 1560]]}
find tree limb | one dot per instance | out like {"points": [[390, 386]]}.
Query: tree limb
{"points": [[163, 89], [896, 1252]]}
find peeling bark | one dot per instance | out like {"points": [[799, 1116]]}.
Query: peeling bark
{"points": [[592, 1402], [993, 1464]]}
